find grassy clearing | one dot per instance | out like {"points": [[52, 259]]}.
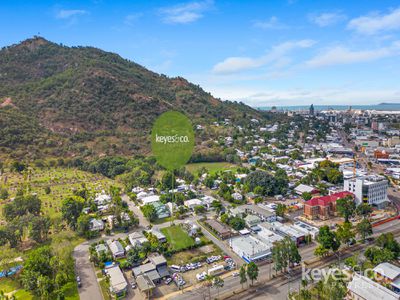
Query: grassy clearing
{"points": [[212, 167], [61, 181], [177, 237], [105, 289], [192, 255], [25, 295], [8, 285]]}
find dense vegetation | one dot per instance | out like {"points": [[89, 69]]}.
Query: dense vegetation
{"points": [[91, 100]]}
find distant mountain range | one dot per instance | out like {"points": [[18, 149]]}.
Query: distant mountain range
{"points": [[71, 100], [384, 103]]}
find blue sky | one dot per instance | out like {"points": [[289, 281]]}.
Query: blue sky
{"points": [[288, 52]]}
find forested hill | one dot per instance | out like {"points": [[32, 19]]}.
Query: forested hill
{"points": [[67, 97]]}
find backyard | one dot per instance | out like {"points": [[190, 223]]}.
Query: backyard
{"points": [[177, 238]]}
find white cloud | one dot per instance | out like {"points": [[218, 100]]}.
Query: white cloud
{"points": [[376, 23], [70, 13], [341, 55], [327, 19], [296, 96], [271, 23], [277, 53], [186, 12], [131, 19]]}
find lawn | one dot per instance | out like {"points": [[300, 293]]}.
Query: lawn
{"points": [[62, 181], [25, 295], [8, 285], [212, 167], [177, 237]]}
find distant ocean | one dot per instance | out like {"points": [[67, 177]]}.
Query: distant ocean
{"points": [[383, 106]]}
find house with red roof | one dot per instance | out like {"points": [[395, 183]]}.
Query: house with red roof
{"points": [[323, 207]]}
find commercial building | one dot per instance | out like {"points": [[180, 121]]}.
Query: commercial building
{"points": [[389, 274], [145, 285], [370, 189], [250, 248], [302, 188], [307, 229], [363, 288], [262, 211], [220, 229], [118, 284], [323, 207]]}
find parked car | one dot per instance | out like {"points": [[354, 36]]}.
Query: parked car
{"points": [[235, 274], [168, 280]]}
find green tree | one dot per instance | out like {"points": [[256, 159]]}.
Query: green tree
{"points": [[345, 232], [345, 207], [252, 271], [364, 209], [237, 223], [3, 194], [281, 210], [83, 226], [71, 209], [306, 196], [364, 229], [199, 209], [168, 181], [39, 228], [243, 275], [149, 212], [328, 239]]}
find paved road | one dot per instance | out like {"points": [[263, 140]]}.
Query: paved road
{"points": [[90, 288], [271, 289]]}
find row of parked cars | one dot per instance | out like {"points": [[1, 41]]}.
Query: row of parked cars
{"points": [[187, 267], [213, 259]]}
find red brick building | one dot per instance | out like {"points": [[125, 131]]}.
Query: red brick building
{"points": [[323, 207]]}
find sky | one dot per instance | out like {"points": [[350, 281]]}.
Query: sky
{"points": [[263, 53]]}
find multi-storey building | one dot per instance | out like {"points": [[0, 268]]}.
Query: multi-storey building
{"points": [[371, 189]]}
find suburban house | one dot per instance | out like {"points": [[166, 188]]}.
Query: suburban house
{"points": [[161, 237], [238, 211], [116, 249], [252, 220], [137, 239], [101, 248], [237, 196], [323, 207], [118, 284], [102, 199], [96, 225], [192, 203], [161, 209]]}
